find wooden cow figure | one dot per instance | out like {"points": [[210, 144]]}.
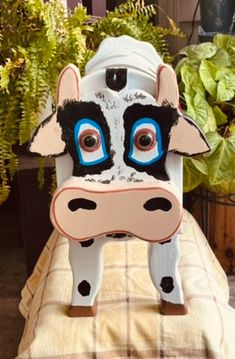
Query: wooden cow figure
{"points": [[123, 133]]}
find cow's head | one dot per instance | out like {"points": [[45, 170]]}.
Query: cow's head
{"points": [[118, 139]]}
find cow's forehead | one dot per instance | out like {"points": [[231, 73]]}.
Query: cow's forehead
{"points": [[118, 101]]}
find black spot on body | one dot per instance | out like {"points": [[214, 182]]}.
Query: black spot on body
{"points": [[154, 204], [84, 288], [134, 180], [104, 181], [87, 243], [81, 203], [167, 284], [90, 180], [169, 240], [135, 96], [116, 78], [116, 235]]}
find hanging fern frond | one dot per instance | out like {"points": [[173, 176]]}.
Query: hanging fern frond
{"points": [[133, 18]]}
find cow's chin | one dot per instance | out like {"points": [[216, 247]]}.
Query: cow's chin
{"points": [[120, 234]]}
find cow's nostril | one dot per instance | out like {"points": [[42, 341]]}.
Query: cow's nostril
{"points": [[158, 203], [82, 203]]}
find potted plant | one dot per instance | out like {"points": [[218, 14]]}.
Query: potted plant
{"points": [[37, 40], [206, 75]]}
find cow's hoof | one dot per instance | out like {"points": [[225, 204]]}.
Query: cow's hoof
{"points": [[82, 311], [168, 308]]}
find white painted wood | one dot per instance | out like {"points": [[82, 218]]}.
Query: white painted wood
{"points": [[87, 265], [142, 63], [174, 166], [127, 52], [163, 262]]}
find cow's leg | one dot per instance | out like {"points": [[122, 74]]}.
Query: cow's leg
{"points": [[163, 268], [86, 260]]}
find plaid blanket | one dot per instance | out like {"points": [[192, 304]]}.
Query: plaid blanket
{"points": [[128, 323]]}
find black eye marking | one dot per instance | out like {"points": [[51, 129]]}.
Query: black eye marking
{"points": [[116, 78], [154, 204], [82, 203], [165, 117], [68, 115]]}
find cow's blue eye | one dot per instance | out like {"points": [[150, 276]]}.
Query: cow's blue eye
{"points": [[145, 142], [90, 142]]}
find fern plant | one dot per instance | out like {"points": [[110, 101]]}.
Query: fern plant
{"points": [[37, 40], [133, 18]]}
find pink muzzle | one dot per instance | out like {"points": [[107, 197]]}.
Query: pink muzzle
{"points": [[82, 210]]}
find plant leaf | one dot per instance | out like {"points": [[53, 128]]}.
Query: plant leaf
{"points": [[220, 116], [200, 165], [226, 87], [221, 58], [192, 176], [201, 112], [213, 139], [191, 79], [221, 175], [205, 50], [207, 71], [224, 93], [226, 42]]}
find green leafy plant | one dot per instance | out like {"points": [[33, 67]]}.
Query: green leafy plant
{"points": [[37, 40], [206, 76], [133, 18]]}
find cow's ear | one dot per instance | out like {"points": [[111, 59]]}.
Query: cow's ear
{"points": [[167, 92], [47, 141], [187, 139], [68, 85]]}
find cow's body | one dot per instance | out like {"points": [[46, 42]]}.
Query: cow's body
{"points": [[119, 129]]}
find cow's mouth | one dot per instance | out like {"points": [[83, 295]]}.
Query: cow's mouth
{"points": [[118, 235]]}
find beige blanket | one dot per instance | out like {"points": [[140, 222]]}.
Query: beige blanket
{"points": [[128, 323]]}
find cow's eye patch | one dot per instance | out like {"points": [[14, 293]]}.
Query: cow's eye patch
{"points": [[147, 135], [90, 142], [145, 142]]}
